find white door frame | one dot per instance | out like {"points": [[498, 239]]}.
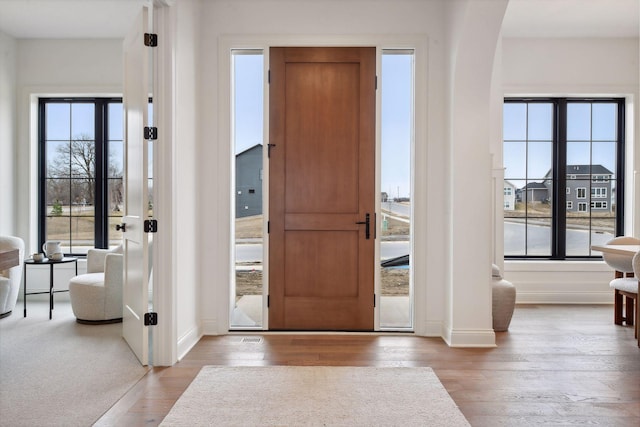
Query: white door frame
{"points": [[164, 253], [419, 155]]}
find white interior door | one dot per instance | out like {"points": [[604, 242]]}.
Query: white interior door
{"points": [[135, 240]]}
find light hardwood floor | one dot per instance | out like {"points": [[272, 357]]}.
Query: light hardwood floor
{"points": [[557, 365]]}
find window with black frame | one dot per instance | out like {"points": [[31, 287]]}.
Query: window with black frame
{"points": [[563, 181], [80, 171]]}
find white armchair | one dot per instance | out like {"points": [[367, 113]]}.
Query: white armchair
{"points": [[10, 278], [96, 297]]}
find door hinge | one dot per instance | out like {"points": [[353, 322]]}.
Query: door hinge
{"points": [[268, 76], [268, 227], [268, 300], [374, 300], [150, 39], [150, 226], [269, 147], [150, 132], [376, 82], [150, 319]]}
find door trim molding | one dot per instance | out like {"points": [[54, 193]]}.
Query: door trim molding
{"points": [[426, 310]]}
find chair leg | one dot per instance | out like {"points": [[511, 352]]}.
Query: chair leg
{"points": [[617, 307], [629, 310], [638, 318], [636, 313]]}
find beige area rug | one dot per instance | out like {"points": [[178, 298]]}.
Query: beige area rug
{"points": [[60, 373], [315, 396]]}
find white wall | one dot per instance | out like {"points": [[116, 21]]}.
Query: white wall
{"points": [[296, 22], [8, 51], [570, 66], [474, 34], [91, 64], [189, 192], [340, 22], [575, 67], [290, 21]]}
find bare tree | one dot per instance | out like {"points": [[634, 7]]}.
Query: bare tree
{"points": [[115, 183], [74, 168], [77, 161]]}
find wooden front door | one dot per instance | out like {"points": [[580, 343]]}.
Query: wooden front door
{"points": [[321, 191]]}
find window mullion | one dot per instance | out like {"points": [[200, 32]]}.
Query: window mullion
{"points": [[99, 229], [620, 178], [42, 174], [559, 220]]}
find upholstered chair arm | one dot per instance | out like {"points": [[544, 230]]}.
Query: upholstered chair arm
{"points": [[11, 278], [113, 272], [113, 281], [636, 265]]}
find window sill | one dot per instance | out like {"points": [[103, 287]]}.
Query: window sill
{"points": [[534, 266]]}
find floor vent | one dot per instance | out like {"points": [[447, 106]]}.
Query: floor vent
{"points": [[252, 340]]}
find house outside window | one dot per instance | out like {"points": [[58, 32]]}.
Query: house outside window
{"points": [[80, 172], [509, 191], [599, 189], [249, 182], [560, 153]]}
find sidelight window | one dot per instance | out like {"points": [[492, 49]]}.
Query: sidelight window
{"points": [[248, 112]]}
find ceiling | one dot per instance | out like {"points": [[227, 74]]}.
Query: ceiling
{"points": [[68, 19], [524, 18]]}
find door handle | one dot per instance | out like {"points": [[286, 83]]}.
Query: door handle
{"points": [[122, 227], [367, 225]]}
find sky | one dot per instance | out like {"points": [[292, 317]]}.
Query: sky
{"points": [[67, 121], [396, 85]]}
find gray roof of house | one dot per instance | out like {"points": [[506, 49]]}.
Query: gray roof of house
{"points": [[584, 170], [535, 186], [249, 149]]}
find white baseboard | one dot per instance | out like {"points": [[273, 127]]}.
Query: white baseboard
{"points": [[469, 337], [431, 328], [560, 282], [561, 297], [210, 327], [187, 341]]}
